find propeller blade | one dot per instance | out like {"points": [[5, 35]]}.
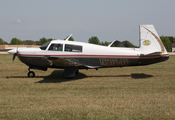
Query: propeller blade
{"points": [[14, 55]]}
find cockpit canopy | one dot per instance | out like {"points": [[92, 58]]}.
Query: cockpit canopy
{"points": [[44, 46], [62, 47]]}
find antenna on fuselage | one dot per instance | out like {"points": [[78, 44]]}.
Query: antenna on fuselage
{"points": [[68, 37]]}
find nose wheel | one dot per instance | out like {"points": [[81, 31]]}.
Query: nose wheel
{"points": [[31, 74]]}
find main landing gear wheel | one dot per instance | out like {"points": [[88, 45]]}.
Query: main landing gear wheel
{"points": [[31, 74]]}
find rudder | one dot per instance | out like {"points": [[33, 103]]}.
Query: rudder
{"points": [[150, 41]]}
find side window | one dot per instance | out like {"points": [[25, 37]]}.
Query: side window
{"points": [[73, 48], [56, 47]]}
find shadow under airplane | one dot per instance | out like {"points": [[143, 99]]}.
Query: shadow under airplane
{"points": [[57, 77], [53, 77]]}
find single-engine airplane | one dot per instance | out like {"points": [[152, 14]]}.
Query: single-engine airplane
{"points": [[72, 56]]}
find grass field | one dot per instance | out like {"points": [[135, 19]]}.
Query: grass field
{"points": [[144, 92]]}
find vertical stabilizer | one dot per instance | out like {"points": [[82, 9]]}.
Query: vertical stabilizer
{"points": [[150, 42]]}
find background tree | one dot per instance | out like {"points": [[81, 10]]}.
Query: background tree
{"points": [[50, 39], [94, 40], [172, 39], [43, 41], [15, 41], [70, 39], [126, 43], [2, 42], [123, 44], [167, 43], [105, 43]]}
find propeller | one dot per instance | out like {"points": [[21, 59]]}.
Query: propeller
{"points": [[14, 55]]}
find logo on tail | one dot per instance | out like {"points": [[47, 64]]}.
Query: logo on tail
{"points": [[146, 42]]}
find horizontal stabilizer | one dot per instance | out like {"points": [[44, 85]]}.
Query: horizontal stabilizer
{"points": [[153, 54]]}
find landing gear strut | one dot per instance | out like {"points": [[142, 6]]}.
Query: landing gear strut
{"points": [[70, 72], [31, 73]]}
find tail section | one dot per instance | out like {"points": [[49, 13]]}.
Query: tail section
{"points": [[150, 42]]}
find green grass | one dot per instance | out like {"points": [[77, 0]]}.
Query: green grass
{"points": [[144, 92]]}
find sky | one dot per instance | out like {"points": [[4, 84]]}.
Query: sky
{"points": [[107, 19]]}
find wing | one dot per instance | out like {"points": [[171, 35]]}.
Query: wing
{"points": [[66, 62]]}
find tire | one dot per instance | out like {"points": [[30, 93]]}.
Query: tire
{"points": [[31, 74]]}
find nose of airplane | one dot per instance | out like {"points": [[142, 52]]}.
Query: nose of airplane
{"points": [[13, 51]]}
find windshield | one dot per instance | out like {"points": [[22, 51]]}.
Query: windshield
{"points": [[43, 47]]}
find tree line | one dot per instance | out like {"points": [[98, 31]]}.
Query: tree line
{"points": [[167, 40], [16, 41], [95, 40]]}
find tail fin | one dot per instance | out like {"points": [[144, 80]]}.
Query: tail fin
{"points": [[150, 42]]}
